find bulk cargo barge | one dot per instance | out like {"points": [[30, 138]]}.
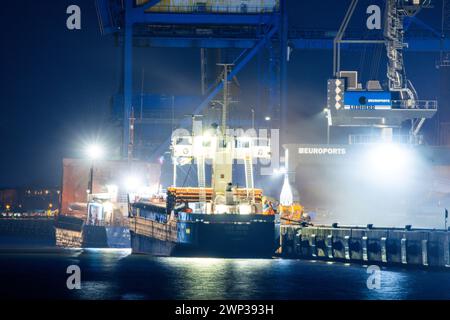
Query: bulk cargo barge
{"points": [[169, 229]]}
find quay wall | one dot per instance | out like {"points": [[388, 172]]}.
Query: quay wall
{"points": [[389, 246]]}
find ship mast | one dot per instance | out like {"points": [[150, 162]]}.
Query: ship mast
{"points": [[226, 95], [222, 148], [222, 164]]}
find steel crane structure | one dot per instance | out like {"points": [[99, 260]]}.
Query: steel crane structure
{"points": [[253, 30], [149, 23], [445, 33], [350, 104]]}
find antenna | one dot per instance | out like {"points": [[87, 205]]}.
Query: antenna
{"points": [[226, 94]]}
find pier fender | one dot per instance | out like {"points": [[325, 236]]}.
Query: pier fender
{"points": [[365, 253], [403, 250], [341, 243], [384, 250], [298, 243], [347, 247], [447, 251], [329, 245], [425, 252], [312, 244]]}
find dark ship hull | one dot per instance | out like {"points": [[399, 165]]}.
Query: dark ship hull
{"points": [[201, 235]]}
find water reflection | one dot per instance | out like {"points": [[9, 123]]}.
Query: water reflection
{"points": [[117, 274]]}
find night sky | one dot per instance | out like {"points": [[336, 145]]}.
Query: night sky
{"points": [[56, 85]]}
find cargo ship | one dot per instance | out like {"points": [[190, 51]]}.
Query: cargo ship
{"points": [[218, 221], [172, 228]]}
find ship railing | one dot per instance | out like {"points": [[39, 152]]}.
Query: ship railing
{"points": [[415, 104]]}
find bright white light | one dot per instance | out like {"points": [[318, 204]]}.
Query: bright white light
{"points": [[286, 196], [389, 162], [108, 208], [221, 209], [112, 190], [94, 151], [327, 113], [133, 183], [280, 171], [268, 118], [245, 209], [148, 191]]}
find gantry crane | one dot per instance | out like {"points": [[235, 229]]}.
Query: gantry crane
{"points": [[352, 105]]}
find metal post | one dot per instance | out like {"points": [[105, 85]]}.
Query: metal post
{"points": [[127, 76], [283, 67], [174, 173], [203, 70], [328, 133], [91, 179], [338, 39], [446, 219], [226, 95], [253, 118], [131, 137]]}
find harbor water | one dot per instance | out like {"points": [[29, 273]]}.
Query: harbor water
{"points": [[116, 274]]}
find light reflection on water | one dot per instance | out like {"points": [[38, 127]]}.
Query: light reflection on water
{"points": [[116, 274]]}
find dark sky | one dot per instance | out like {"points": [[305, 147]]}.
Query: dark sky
{"points": [[56, 85]]}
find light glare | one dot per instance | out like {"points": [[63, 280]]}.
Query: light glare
{"points": [[94, 151]]}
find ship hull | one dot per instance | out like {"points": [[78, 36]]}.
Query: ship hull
{"points": [[211, 236], [71, 232], [105, 237]]}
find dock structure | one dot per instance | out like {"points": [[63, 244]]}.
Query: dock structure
{"points": [[368, 245], [27, 233]]}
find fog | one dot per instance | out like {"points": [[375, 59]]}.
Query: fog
{"points": [[354, 192]]}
